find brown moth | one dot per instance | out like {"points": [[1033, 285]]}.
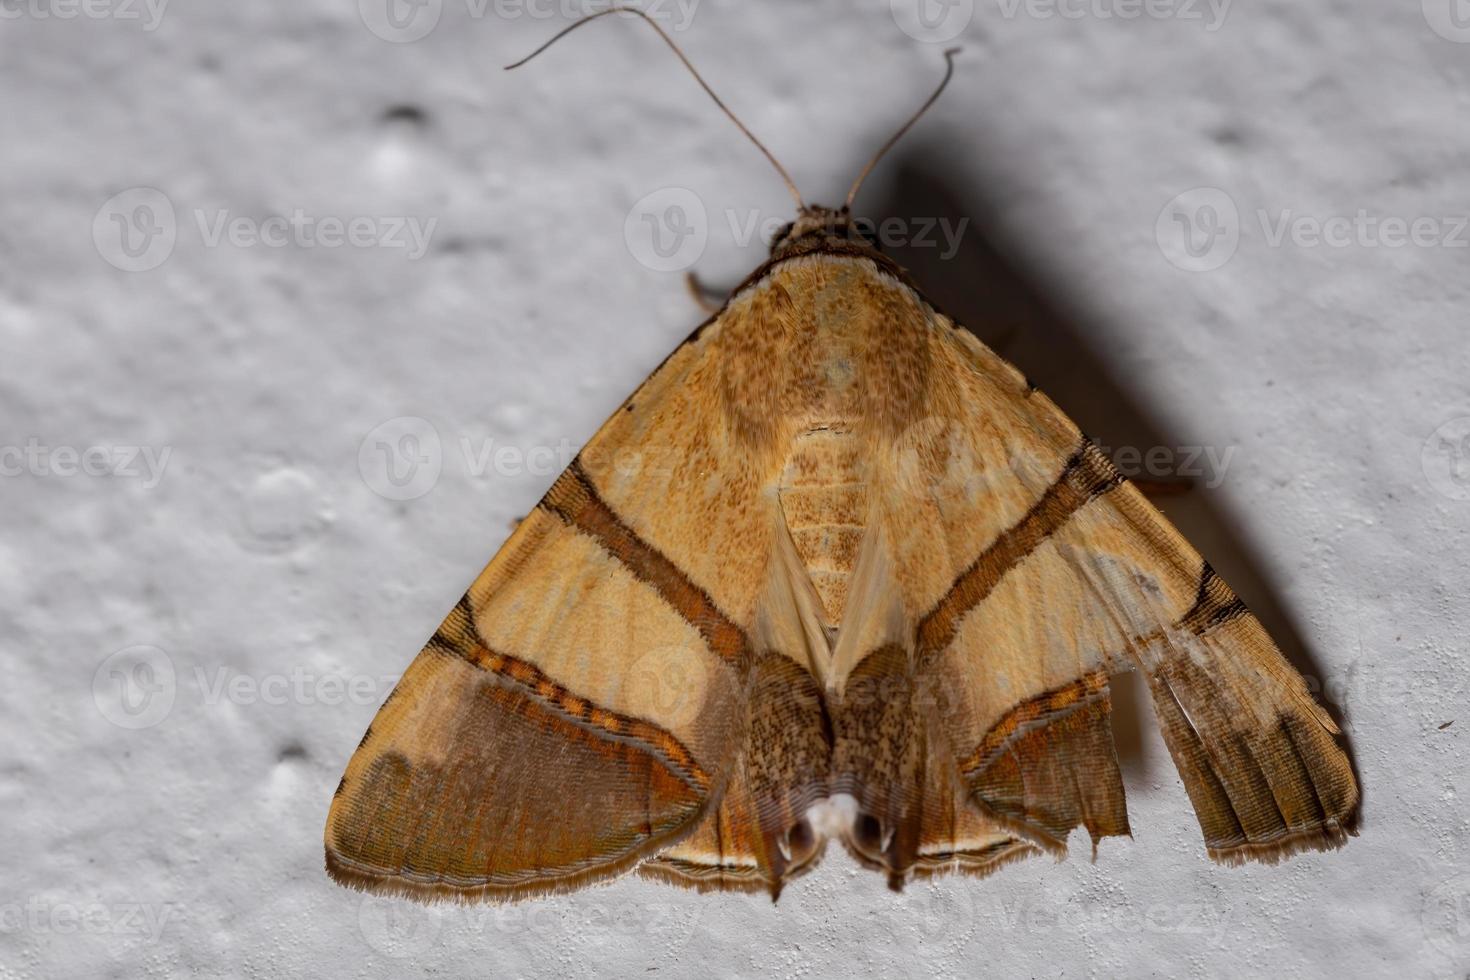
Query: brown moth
{"points": [[834, 570]]}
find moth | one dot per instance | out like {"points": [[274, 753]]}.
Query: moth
{"points": [[834, 571]]}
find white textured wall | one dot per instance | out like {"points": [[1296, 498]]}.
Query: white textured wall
{"points": [[262, 569]]}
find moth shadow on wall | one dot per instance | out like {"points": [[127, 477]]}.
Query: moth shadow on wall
{"points": [[1026, 315]]}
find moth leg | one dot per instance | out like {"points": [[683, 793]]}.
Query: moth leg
{"points": [[706, 298]]}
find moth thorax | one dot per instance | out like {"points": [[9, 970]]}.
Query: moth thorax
{"points": [[817, 221]]}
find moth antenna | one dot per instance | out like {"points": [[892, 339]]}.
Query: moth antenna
{"points": [[786, 177], [857, 184]]}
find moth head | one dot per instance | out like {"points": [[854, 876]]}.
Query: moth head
{"points": [[827, 224]]}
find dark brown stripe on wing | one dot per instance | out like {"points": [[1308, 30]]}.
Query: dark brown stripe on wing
{"points": [[541, 694], [1215, 604], [1088, 474], [576, 501], [1044, 708]]}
